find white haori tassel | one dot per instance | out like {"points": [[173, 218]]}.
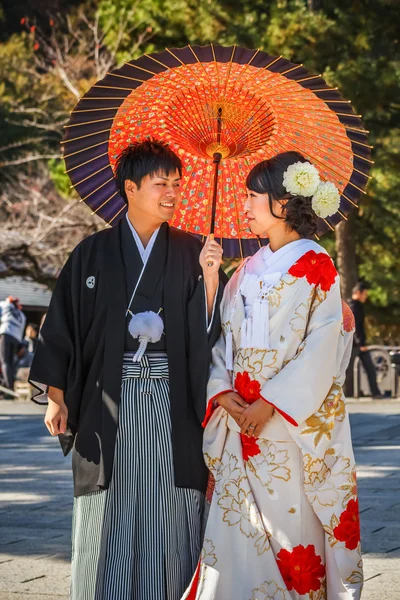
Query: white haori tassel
{"points": [[146, 327], [260, 329], [245, 333], [229, 350]]}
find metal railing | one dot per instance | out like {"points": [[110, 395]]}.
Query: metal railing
{"points": [[387, 375]]}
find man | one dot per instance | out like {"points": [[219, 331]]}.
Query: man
{"points": [[135, 427], [12, 324], [358, 299], [31, 335]]}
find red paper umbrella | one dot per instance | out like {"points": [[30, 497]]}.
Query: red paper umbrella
{"points": [[222, 110]]}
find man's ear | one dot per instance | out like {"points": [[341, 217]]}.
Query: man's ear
{"points": [[130, 187]]}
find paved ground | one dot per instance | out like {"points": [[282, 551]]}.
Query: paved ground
{"points": [[36, 500]]}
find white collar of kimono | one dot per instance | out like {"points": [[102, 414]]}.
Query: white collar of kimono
{"points": [[267, 261], [144, 252], [266, 268], [261, 273]]}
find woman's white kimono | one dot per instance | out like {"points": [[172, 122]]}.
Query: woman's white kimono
{"points": [[283, 521]]}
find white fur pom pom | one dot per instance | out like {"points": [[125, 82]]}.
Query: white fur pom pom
{"points": [[146, 325]]}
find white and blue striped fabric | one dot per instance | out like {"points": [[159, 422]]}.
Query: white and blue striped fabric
{"points": [[141, 538]]}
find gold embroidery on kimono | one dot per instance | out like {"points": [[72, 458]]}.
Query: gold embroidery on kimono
{"points": [[284, 520]]}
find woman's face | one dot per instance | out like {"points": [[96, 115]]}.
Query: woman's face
{"points": [[259, 215]]}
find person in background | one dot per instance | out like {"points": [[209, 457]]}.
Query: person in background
{"points": [[31, 335], [23, 358], [358, 299], [12, 325]]}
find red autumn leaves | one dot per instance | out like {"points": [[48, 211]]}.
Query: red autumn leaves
{"points": [[348, 529], [301, 569], [317, 268]]}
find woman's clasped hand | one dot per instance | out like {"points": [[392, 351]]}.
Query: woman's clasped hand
{"points": [[251, 418]]}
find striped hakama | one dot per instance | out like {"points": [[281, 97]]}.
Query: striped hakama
{"points": [[141, 538]]}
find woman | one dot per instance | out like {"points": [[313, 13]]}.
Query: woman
{"points": [[283, 520]]}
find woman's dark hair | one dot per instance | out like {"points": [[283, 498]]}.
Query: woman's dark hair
{"points": [[149, 157], [267, 178]]}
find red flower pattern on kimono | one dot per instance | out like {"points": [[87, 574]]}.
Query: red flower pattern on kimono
{"points": [[301, 569], [318, 269], [348, 529], [249, 447], [247, 388]]}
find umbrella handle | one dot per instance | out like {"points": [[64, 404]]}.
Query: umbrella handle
{"points": [[210, 264], [216, 160]]}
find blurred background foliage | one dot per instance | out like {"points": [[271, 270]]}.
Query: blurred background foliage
{"points": [[52, 51]]}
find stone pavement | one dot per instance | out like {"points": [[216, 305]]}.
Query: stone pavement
{"points": [[36, 501]]}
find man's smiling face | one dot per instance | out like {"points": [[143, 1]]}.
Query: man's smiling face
{"points": [[156, 198]]}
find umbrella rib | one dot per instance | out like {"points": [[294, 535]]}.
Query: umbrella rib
{"points": [[97, 98], [229, 68], [204, 119], [199, 62], [188, 225], [104, 203], [372, 162], [83, 149], [263, 69], [259, 124], [300, 91], [89, 122], [307, 78], [157, 61], [246, 66], [216, 67], [141, 68], [85, 136], [177, 71], [203, 128], [85, 163], [351, 201], [329, 225], [89, 176], [97, 189], [192, 127], [237, 214], [126, 77], [112, 87], [334, 143], [96, 109], [328, 168], [292, 69], [324, 165], [118, 213], [342, 215]]}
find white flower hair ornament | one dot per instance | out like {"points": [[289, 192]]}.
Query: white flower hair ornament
{"points": [[303, 179]]}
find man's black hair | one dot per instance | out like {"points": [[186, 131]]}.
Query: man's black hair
{"points": [[360, 286], [149, 157]]}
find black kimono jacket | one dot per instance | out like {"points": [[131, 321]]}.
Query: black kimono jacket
{"points": [[81, 346]]}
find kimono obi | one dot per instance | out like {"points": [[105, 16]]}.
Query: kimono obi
{"points": [[152, 366]]}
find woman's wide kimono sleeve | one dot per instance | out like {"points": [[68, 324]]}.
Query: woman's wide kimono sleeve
{"points": [[297, 389]]}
